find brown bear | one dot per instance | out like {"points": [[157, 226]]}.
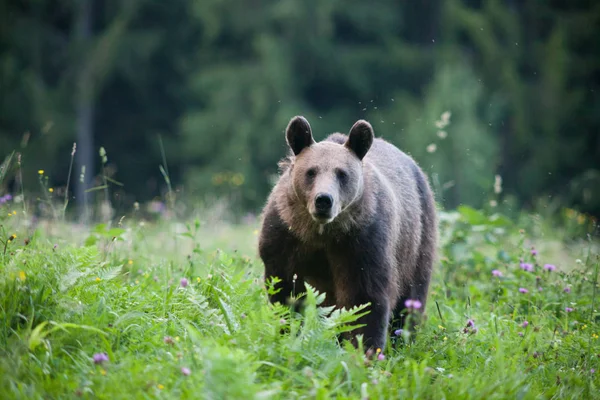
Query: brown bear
{"points": [[354, 217]]}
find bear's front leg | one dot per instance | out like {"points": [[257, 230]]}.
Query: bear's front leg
{"points": [[362, 277]]}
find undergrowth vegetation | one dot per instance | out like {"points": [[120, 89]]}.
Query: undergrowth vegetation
{"points": [[156, 310]]}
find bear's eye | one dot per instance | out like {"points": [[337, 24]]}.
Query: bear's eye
{"points": [[311, 173], [341, 175]]}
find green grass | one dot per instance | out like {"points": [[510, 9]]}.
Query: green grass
{"points": [[72, 292]]}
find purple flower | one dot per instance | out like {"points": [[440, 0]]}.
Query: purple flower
{"points": [[398, 332], [381, 357], [527, 267], [495, 272], [568, 309], [5, 199], [592, 370], [470, 323], [567, 290], [412, 304], [185, 371], [534, 252], [523, 290], [521, 334], [99, 358], [550, 267], [184, 282], [525, 324]]}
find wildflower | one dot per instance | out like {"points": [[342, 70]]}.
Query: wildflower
{"points": [[523, 290], [568, 309], [51, 190], [14, 212], [282, 321], [398, 332], [594, 336], [592, 370], [525, 324], [496, 273], [168, 340], [493, 203], [99, 358], [441, 327], [527, 267], [130, 262], [185, 371], [22, 275], [442, 134], [445, 338], [567, 290], [497, 184], [470, 323], [534, 251], [41, 172], [381, 357], [98, 279], [412, 304], [550, 267], [198, 279], [184, 282], [432, 148], [160, 386], [54, 247], [521, 334], [12, 237], [177, 338]]}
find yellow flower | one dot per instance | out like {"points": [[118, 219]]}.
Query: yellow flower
{"points": [[14, 212], [51, 190], [378, 350], [41, 172], [441, 327], [103, 371], [137, 282], [177, 338], [594, 336], [130, 262], [98, 279], [161, 387], [445, 338], [198, 279], [22, 275]]}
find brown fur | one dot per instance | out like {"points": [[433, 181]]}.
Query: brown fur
{"points": [[381, 244]]}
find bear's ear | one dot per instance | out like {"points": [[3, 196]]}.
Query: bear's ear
{"points": [[298, 134], [360, 138]]}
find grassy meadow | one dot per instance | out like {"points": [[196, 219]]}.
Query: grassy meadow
{"points": [[163, 309]]}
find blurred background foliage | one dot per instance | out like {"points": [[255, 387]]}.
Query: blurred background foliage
{"points": [[471, 88]]}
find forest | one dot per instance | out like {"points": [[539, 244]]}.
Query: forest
{"points": [[192, 97]]}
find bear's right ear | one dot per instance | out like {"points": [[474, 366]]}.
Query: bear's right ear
{"points": [[298, 134], [360, 138]]}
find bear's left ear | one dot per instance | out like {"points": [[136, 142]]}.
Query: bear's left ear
{"points": [[299, 134], [360, 138]]}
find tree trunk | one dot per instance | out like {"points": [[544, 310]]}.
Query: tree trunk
{"points": [[85, 113]]}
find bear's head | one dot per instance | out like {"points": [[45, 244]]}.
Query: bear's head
{"points": [[327, 176]]}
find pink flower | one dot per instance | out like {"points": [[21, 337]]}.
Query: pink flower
{"points": [[527, 267], [380, 357], [99, 358], [550, 267], [495, 272], [412, 304], [568, 309], [523, 290], [184, 282], [470, 323], [185, 371], [567, 290], [525, 324], [534, 252]]}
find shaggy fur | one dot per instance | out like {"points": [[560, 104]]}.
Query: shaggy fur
{"points": [[379, 245]]}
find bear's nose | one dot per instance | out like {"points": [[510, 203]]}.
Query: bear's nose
{"points": [[323, 202]]}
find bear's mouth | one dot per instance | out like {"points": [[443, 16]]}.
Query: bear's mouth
{"points": [[321, 217]]}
